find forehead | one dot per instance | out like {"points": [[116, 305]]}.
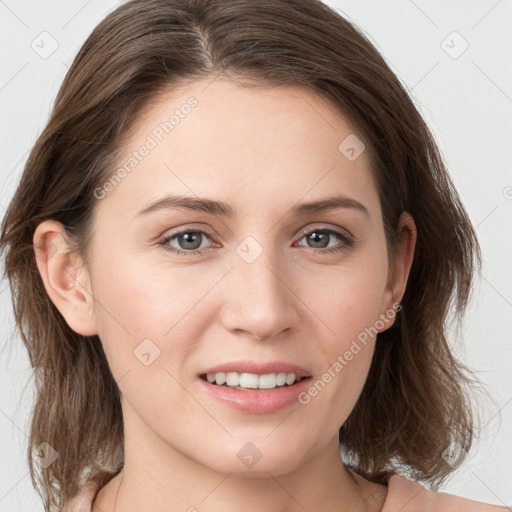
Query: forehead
{"points": [[248, 146]]}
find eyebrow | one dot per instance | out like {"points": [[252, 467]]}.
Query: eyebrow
{"points": [[225, 210]]}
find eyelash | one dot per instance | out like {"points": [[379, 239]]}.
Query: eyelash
{"points": [[347, 241]]}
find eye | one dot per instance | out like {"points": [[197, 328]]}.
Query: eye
{"points": [[190, 240], [320, 240]]}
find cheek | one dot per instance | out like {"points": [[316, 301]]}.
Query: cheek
{"points": [[346, 298], [142, 309], [148, 337], [347, 302]]}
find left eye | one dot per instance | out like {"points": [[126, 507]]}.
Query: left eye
{"points": [[323, 235]]}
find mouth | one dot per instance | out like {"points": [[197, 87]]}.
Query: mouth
{"points": [[255, 387], [253, 381]]}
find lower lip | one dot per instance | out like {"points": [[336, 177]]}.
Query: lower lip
{"points": [[257, 401]]}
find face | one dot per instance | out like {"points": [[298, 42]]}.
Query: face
{"points": [[260, 284]]}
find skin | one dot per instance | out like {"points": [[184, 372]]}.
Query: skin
{"points": [[261, 150]]}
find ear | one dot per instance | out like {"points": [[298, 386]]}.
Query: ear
{"points": [[399, 269], [65, 277]]}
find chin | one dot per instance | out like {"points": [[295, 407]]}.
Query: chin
{"points": [[257, 459]]}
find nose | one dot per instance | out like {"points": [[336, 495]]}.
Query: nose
{"points": [[259, 299]]}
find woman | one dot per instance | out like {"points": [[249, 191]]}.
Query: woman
{"points": [[232, 253]]}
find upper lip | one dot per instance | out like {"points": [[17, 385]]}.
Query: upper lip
{"points": [[261, 368]]}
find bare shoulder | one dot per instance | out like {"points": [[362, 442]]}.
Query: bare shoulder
{"points": [[410, 496]]}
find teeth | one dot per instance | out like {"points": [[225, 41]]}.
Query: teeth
{"points": [[252, 380], [232, 379], [281, 379], [290, 379], [249, 380]]}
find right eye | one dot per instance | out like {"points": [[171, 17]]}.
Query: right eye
{"points": [[188, 238]]}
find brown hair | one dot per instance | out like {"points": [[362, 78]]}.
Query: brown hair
{"points": [[414, 403]]}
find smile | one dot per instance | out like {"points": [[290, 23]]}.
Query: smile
{"points": [[244, 381]]}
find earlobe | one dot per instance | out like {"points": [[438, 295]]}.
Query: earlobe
{"points": [[65, 277], [400, 268]]}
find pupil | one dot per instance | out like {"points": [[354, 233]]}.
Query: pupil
{"points": [[316, 235], [194, 236]]}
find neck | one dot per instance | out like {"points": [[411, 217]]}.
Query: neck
{"points": [[159, 478]]}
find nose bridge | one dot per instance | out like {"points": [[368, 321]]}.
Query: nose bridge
{"points": [[260, 300]]}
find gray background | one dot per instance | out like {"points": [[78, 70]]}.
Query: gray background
{"points": [[467, 101]]}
